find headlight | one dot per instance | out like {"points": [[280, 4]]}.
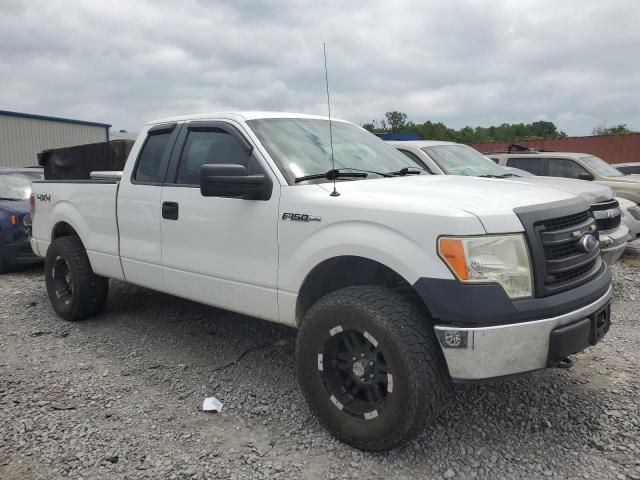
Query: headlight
{"points": [[502, 259], [26, 221]]}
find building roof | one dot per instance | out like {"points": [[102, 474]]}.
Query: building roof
{"points": [[53, 119]]}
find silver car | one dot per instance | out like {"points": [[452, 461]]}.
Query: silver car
{"points": [[448, 158]]}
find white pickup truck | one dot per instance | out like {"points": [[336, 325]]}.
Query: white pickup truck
{"points": [[399, 282]]}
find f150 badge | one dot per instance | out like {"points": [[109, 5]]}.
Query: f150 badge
{"points": [[299, 217]]}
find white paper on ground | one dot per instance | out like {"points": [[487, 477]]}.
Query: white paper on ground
{"points": [[211, 404]]}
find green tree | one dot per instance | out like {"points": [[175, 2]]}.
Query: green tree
{"points": [[369, 126], [396, 120], [602, 129]]}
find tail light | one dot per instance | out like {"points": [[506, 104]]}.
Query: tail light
{"points": [[32, 202]]}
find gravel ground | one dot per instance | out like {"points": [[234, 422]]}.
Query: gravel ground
{"points": [[118, 396]]}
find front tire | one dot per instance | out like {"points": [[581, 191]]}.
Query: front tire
{"points": [[370, 367], [74, 290]]}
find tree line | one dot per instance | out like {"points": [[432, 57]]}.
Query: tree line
{"points": [[397, 122]]}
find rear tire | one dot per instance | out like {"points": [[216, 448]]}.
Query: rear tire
{"points": [[370, 367], [74, 290]]}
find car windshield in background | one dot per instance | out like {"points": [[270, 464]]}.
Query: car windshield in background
{"points": [[301, 147], [463, 160], [601, 167], [17, 186]]}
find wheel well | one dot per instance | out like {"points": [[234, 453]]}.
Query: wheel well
{"points": [[340, 272], [62, 229]]}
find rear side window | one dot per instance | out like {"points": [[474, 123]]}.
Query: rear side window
{"points": [[149, 167], [629, 169], [531, 165], [562, 167]]}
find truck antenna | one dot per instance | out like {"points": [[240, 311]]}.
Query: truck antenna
{"points": [[333, 163]]}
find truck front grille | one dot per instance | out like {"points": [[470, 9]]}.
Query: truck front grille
{"points": [[565, 261], [554, 233], [634, 212], [607, 214]]}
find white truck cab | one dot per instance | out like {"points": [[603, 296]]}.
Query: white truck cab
{"points": [[398, 281]]}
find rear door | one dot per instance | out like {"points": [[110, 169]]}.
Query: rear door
{"points": [[219, 251], [139, 209]]}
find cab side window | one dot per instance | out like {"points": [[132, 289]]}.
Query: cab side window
{"points": [[563, 167], [531, 165], [149, 168], [211, 146]]}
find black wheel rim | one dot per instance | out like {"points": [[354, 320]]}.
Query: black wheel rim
{"points": [[355, 373], [62, 281]]}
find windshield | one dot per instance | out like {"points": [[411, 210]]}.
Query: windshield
{"points": [[601, 167], [463, 160], [301, 146], [17, 186]]}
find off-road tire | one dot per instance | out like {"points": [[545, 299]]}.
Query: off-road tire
{"points": [[89, 292], [404, 334]]}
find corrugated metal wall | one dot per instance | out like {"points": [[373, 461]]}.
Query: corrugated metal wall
{"points": [[21, 139], [611, 148]]}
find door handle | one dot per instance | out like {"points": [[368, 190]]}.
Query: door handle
{"points": [[170, 210]]}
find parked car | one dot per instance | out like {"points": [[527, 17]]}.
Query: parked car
{"points": [[448, 158], [581, 166], [15, 217], [630, 217], [629, 168], [399, 282]]}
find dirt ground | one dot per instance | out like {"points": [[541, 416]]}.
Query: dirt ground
{"points": [[118, 396]]}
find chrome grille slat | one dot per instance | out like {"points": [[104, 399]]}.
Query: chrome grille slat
{"points": [[634, 212], [607, 214], [565, 262]]}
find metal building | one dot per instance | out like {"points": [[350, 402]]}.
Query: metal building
{"points": [[23, 136]]}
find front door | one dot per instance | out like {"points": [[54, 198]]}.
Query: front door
{"points": [[219, 251]]}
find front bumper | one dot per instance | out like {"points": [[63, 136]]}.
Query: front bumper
{"points": [[474, 354], [19, 253], [613, 243]]}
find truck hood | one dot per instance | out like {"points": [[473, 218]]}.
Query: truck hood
{"points": [[15, 206], [491, 200], [626, 179], [591, 192]]}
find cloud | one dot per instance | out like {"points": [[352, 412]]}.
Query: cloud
{"points": [[461, 62]]}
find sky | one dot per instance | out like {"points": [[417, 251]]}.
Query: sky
{"points": [[462, 62]]}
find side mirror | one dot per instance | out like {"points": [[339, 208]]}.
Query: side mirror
{"points": [[233, 181], [586, 176]]}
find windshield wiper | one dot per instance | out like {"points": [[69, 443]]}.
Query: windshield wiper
{"points": [[407, 171], [333, 175]]}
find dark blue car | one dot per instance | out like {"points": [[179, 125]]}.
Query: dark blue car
{"points": [[15, 217]]}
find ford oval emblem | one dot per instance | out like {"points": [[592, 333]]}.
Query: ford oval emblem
{"points": [[588, 243]]}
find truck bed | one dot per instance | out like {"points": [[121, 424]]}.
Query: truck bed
{"points": [[82, 205]]}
